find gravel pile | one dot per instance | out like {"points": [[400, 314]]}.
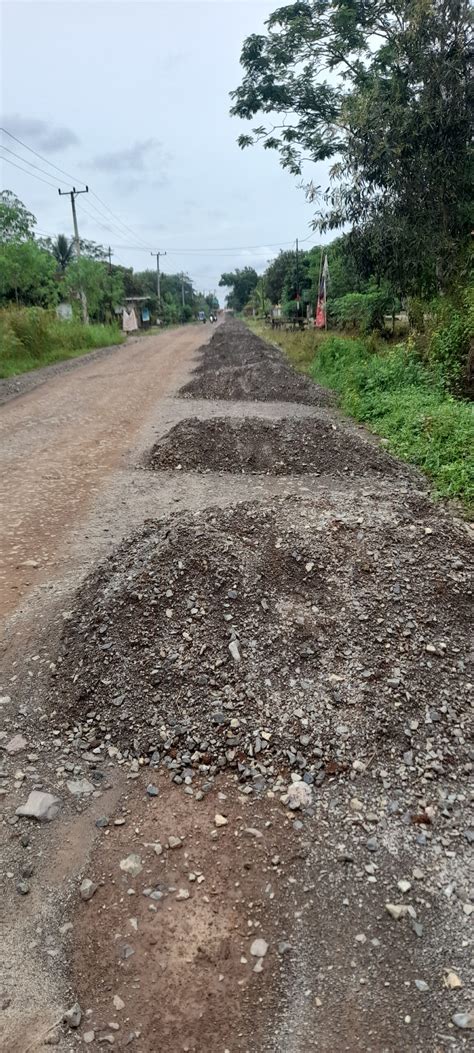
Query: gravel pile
{"points": [[297, 636], [274, 447], [238, 365]]}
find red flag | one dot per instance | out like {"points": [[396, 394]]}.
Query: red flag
{"points": [[320, 313]]}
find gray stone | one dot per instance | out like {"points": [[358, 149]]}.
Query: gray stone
{"points": [[23, 888], [80, 787], [464, 1020], [73, 1016], [102, 822], [87, 889], [42, 806], [16, 745], [151, 790], [235, 652], [132, 865]]}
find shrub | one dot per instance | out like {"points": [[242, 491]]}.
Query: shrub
{"points": [[397, 396], [363, 311]]}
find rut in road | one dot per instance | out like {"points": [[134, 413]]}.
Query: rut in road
{"points": [[266, 694]]}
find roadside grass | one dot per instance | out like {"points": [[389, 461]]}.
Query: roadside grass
{"points": [[392, 391], [31, 338]]}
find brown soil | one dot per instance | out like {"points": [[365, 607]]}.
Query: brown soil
{"points": [[281, 447]]}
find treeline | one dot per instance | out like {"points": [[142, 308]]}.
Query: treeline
{"points": [[384, 93], [42, 272]]}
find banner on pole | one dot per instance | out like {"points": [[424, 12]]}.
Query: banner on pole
{"points": [[321, 318]]}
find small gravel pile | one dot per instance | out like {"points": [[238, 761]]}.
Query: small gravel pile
{"points": [[237, 365], [295, 636], [274, 447]]}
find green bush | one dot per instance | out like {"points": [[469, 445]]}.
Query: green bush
{"points": [[31, 337], [399, 398], [362, 311]]}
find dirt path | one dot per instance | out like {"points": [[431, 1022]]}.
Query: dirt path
{"points": [[253, 713], [61, 442]]}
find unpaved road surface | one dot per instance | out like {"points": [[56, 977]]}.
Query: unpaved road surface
{"points": [[237, 652]]}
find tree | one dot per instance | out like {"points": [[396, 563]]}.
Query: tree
{"points": [[16, 223], [384, 90], [63, 252], [27, 274], [103, 288], [241, 282]]}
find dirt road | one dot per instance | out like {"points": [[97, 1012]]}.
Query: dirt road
{"points": [[237, 653]]}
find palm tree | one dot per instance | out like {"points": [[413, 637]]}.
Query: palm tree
{"points": [[63, 251]]}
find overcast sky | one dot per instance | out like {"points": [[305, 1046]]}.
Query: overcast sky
{"points": [[133, 99]]}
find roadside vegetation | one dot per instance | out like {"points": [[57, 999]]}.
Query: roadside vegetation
{"points": [[37, 274], [32, 337], [393, 390], [383, 94]]}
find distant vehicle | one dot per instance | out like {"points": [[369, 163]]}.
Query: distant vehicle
{"points": [[202, 316]]}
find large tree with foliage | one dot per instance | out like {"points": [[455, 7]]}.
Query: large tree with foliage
{"points": [[16, 223], [382, 88], [241, 283]]}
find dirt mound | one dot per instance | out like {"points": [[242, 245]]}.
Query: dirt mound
{"points": [[237, 365], [274, 447], [294, 636]]}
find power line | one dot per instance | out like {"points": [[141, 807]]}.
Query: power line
{"points": [[129, 229], [32, 174], [69, 176], [44, 159]]}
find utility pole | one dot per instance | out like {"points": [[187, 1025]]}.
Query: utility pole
{"points": [[73, 194], [297, 284], [110, 254], [158, 276]]}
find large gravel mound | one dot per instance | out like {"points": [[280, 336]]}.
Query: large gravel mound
{"points": [[298, 635], [237, 365], [278, 447]]}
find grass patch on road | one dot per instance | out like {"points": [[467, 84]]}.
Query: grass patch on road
{"points": [[31, 338], [392, 391]]}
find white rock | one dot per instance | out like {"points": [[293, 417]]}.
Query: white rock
{"points": [[182, 894], [259, 948], [88, 1037], [220, 820], [80, 787], [400, 910], [421, 985], [131, 865], [118, 1004], [452, 980], [175, 842], [404, 885], [299, 795], [42, 806]]}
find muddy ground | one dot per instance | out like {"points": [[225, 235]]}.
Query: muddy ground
{"points": [[253, 709]]}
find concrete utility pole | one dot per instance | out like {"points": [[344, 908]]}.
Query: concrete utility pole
{"points": [[73, 194], [158, 275], [297, 284], [110, 254]]}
